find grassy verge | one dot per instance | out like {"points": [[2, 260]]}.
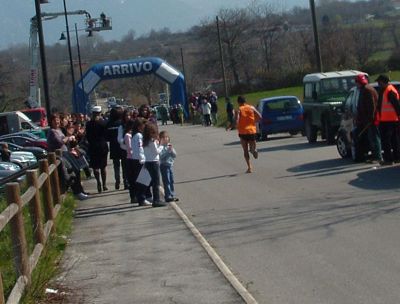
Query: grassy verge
{"points": [[48, 266]]}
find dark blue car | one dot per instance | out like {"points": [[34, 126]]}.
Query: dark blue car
{"points": [[280, 114]]}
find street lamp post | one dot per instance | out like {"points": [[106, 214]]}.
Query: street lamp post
{"points": [[70, 55], [79, 60], [42, 54]]}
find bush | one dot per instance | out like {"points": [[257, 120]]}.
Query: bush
{"points": [[394, 61], [375, 66]]}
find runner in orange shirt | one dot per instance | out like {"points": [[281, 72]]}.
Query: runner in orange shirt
{"points": [[247, 116]]}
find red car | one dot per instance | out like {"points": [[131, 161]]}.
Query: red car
{"points": [[25, 141]]}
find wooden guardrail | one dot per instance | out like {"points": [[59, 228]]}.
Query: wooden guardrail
{"points": [[48, 184]]}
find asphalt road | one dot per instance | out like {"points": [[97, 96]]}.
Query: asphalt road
{"points": [[305, 227]]}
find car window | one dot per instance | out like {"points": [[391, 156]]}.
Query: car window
{"points": [[348, 101], [337, 85], [308, 88], [282, 105]]}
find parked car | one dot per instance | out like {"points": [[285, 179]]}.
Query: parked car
{"points": [[39, 153], [22, 159], [280, 114], [25, 141], [324, 94], [345, 143], [7, 168]]}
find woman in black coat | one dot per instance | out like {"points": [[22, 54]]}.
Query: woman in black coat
{"points": [[117, 154], [96, 135]]}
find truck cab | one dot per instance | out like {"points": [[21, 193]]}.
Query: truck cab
{"points": [[12, 122], [324, 94]]}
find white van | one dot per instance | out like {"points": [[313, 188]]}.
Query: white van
{"points": [[12, 122]]}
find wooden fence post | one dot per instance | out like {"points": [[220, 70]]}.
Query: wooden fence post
{"points": [[35, 208], [2, 300], [46, 190], [18, 232], [55, 182]]}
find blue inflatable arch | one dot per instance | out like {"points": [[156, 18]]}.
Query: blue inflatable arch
{"points": [[130, 68]]}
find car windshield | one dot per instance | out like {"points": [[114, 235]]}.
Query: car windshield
{"points": [[286, 104], [337, 85], [35, 116]]}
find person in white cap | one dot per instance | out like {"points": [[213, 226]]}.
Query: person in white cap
{"points": [[96, 135]]}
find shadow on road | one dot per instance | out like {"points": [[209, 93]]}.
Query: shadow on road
{"points": [[382, 178], [107, 210], [326, 168], [287, 220], [292, 147], [207, 178]]}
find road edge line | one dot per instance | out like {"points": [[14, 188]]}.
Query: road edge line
{"points": [[232, 279]]}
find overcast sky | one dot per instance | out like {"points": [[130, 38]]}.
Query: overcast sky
{"points": [[138, 15]]}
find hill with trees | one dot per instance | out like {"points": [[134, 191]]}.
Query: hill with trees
{"points": [[262, 49]]}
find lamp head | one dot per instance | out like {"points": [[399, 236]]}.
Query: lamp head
{"points": [[62, 37], [43, 1]]}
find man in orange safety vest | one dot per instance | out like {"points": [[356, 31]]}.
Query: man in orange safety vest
{"points": [[389, 122]]}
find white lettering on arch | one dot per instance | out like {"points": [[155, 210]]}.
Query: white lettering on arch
{"points": [[116, 69], [124, 69], [127, 68], [107, 71], [147, 66]]}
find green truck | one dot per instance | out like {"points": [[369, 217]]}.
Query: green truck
{"points": [[324, 94]]}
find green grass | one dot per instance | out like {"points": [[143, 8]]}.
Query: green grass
{"points": [[47, 267]]}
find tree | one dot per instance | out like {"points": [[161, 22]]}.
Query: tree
{"points": [[366, 42], [234, 28]]}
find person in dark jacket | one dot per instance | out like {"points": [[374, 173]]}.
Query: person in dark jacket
{"points": [[98, 148], [5, 153], [389, 122], [117, 154], [366, 119]]}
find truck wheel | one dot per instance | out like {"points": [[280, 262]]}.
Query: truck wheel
{"points": [[342, 146], [310, 131], [329, 133]]}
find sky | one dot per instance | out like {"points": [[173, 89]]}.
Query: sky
{"points": [[138, 15]]}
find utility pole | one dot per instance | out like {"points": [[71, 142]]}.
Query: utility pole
{"points": [[70, 55], [316, 38], [42, 56], [222, 60]]}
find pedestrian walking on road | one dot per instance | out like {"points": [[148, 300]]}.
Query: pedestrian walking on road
{"points": [[366, 119], [117, 154], [96, 135], [167, 159], [206, 110], [247, 117], [389, 110], [230, 114]]}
